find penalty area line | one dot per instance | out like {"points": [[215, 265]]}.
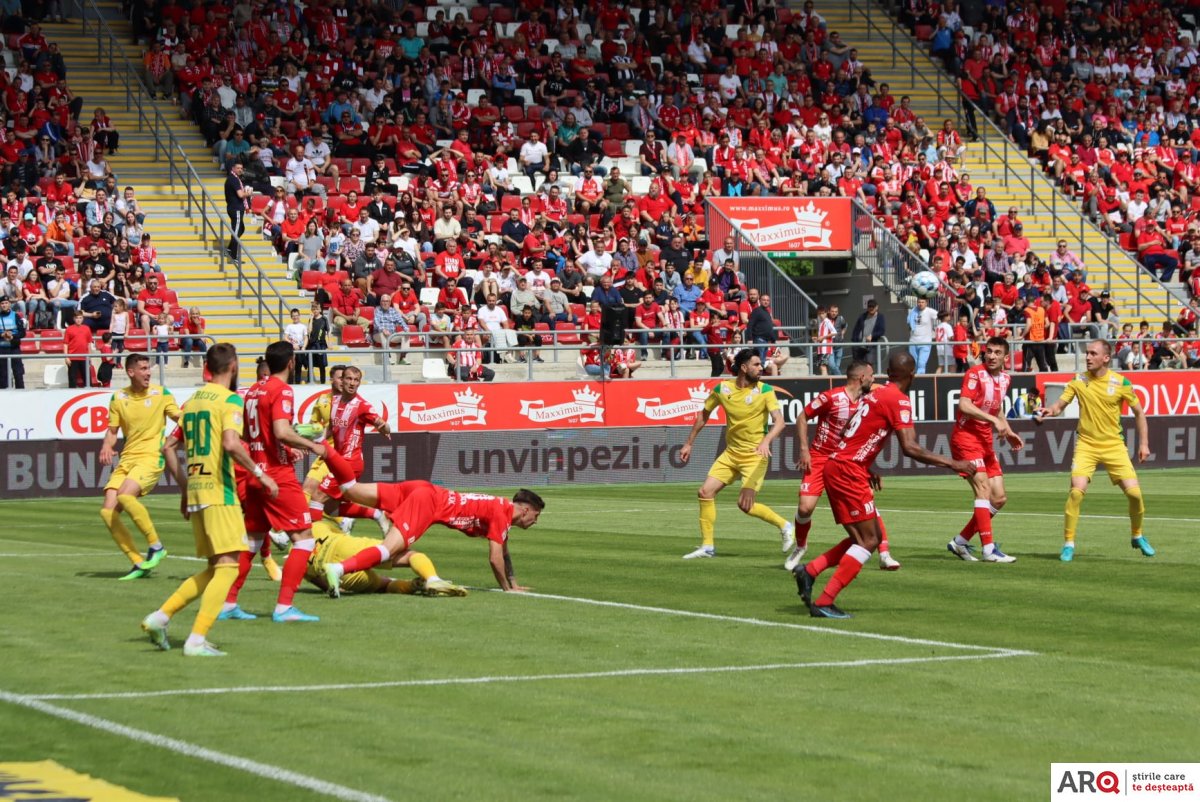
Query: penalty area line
{"points": [[494, 679], [275, 773], [760, 622]]}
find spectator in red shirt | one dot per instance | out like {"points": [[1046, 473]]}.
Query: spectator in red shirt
{"points": [[193, 341], [345, 301], [78, 341], [645, 317], [151, 302]]}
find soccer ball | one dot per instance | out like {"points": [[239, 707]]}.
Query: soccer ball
{"points": [[925, 284]]}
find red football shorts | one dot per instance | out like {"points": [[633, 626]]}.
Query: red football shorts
{"points": [[813, 483], [412, 507], [979, 452], [329, 485], [849, 489], [287, 512]]}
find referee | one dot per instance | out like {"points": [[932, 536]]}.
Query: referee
{"points": [[237, 196]]}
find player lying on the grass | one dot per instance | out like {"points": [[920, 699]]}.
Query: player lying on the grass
{"points": [[348, 416], [414, 506], [139, 413], [334, 545], [1100, 439], [212, 428], [833, 409], [749, 406], [849, 481], [980, 411]]}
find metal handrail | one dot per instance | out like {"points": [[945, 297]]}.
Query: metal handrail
{"points": [[914, 72], [181, 170], [1037, 189]]}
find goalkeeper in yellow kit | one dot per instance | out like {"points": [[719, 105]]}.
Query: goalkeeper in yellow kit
{"points": [[1101, 394]]}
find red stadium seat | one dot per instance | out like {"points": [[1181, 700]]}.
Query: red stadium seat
{"points": [[311, 279], [514, 114], [350, 184], [565, 333], [136, 340], [359, 167], [368, 312], [354, 337], [331, 186], [614, 149], [258, 204], [50, 341]]}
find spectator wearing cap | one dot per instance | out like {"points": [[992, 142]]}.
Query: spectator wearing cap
{"points": [[1017, 244], [558, 305]]}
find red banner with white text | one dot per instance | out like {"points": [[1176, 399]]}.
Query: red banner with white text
{"points": [[791, 225]]}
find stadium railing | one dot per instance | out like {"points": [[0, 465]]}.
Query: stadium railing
{"points": [[791, 304], [892, 264], [1070, 361], [215, 232], [999, 151], [95, 357]]}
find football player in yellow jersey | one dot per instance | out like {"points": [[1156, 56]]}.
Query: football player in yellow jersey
{"points": [[140, 413], [752, 422], [1101, 394], [212, 430], [334, 545]]}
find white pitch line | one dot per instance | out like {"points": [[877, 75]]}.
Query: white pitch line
{"points": [[592, 514], [786, 625], [488, 680], [328, 789]]}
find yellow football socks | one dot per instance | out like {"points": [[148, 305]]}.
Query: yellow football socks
{"points": [[1137, 510], [120, 535], [422, 565], [141, 517], [708, 520], [406, 586], [190, 590], [764, 513], [1071, 519], [223, 577]]}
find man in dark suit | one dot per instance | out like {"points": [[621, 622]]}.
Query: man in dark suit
{"points": [[237, 201]]}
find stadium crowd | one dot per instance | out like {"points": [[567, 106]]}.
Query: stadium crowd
{"points": [[1103, 98], [81, 271], [400, 148]]}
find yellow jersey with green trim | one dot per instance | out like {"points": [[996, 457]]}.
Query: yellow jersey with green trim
{"points": [[747, 413], [208, 414], [1101, 402], [141, 417]]}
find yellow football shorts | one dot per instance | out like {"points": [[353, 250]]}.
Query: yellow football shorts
{"points": [[317, 471], [146, 474], [219, 529], [336, 549], [1115, 458], [750, 468]]}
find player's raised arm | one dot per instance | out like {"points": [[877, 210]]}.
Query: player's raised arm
{"points": [[913, 450]]}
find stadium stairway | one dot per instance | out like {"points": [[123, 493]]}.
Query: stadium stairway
{"points": [[986, 169], [190, 264]]}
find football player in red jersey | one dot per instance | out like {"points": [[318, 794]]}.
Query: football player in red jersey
{"points": [[270, 408], [414, 506], [980, 411], [849, 482], [350, 414], [833, 409]]}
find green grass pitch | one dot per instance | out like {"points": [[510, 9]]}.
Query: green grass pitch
{"points": [[501, 697]]}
